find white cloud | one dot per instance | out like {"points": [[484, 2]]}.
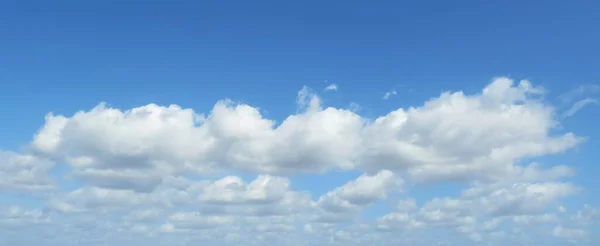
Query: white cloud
{"points": [[24, 172], [195, 221], [568, 233], [232, 189], [331, 87], [578, 92], [355, 195], [579, 105], [15, 217], [525, 197], [264, 196], [587, 216], [450, 137], [354, 107], [170, 173], [406, 205], [389, 94], [98, 199], [583, 95]]}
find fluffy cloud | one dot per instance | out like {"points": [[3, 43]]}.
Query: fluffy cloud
{"points": [[24, 172], [355, 195], [454, 136], [166, 172], [264, 196]]}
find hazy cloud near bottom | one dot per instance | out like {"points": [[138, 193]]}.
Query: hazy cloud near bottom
{"points": [[134, 167]]}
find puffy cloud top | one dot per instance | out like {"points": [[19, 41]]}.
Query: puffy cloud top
{"points": [[156, 171]]}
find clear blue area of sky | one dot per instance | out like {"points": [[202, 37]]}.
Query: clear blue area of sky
{"points": [[64, 56]]}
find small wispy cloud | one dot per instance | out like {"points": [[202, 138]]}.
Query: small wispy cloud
{"points": [[579, 92], [579, 105], [588, 92], [331, 87], [389, 94], [354, 107]]}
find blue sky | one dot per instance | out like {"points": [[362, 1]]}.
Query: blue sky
{"points": [[519, 77]]}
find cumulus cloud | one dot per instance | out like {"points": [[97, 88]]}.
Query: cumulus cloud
{"points": [[227, 175], [450, 137], [355, 195], [24, 172], [264, 196]]}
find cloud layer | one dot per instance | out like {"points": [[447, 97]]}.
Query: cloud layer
{"points": [[170, 175]]}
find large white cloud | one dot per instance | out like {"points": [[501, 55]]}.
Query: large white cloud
{"points": [[455, 136], [159, 173]]}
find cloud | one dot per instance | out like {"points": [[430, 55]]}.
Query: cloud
{"points": [[450, 137], [194, 221], [264, 196], [481, 217], [389, 94], [154, 173], [578, 92], [588, 91], [579, 105], [24, 172], [354, 107], [568, 233], [331, 87], [354, 196], [15, 217]]}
